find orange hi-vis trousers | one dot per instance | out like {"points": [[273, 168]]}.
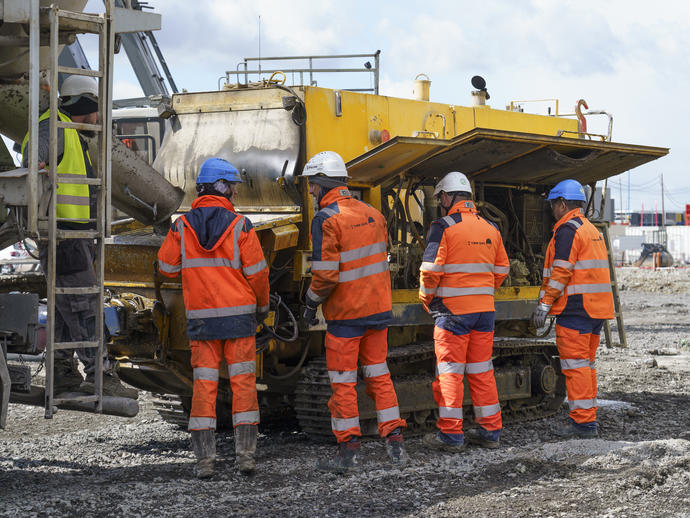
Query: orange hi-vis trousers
{"points": [[344, 345], [577, 338], [464, 345], [240, 355]]}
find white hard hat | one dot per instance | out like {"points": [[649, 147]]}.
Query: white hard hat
{"points": [[453, 182], [327, 163], [76, 86]]}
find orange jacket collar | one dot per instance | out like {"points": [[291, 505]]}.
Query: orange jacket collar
{"points": [[463, 206], [208, 200], [575, 213], [335, 194]]}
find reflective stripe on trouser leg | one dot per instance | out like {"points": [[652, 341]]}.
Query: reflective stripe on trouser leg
{"points": [[573, 349], [341, 361], [447, 387], [373, 349], [240, 355], [205, 360], [481, 380]]}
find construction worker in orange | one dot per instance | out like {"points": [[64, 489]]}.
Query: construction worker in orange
{"points": [[226, 291], [350, 277], [463, 263], [577, 289]]}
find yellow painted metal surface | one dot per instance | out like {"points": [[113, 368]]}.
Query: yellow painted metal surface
{"points": [[364, 117], [508, 293]]}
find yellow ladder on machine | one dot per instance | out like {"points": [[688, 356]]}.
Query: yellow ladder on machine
{"points": [[603, 227], [100, 24]]}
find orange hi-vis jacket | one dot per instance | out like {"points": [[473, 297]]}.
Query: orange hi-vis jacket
{"points": [[224, 273], [576, 270], [463, 263], [349, 262]]}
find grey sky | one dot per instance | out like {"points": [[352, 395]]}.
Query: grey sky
{"points": [[627, 57]]}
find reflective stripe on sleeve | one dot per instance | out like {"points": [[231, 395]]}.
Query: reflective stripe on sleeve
{"points": [[584, 404], [449, 221], [592, 365], [574, 289], [502, 269], [324, 265], [250, 417], [340, 424], [168, 268], [450, 368], [255, 268], [555, 285], [362, 252], [238, 368], [479, 367], [263, 309], [573, 364], [201, 423], [573, 223], [342, 376], [221, 312], [364, 271], [377, 369], [591, 263], [448, 412], [205, 373], [314, 297], [468, 268], [547, 272], [329, 211], [388, 414], [460, 292], [430, 267], [486, 411], [427, 291], [563, 264]]}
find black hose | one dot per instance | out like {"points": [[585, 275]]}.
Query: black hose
{"points": [[294, 371]]}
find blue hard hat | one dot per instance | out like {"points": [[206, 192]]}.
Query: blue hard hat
{"points": [[568, 190], [214, 169]]}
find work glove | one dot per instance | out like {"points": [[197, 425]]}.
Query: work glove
{"points": [[539, 315], [261, 316], [309, 315]]}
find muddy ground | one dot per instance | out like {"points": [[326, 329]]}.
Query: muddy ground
{"points": [[88, 465]]}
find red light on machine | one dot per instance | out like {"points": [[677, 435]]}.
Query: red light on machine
{"points": [[385, 136]]}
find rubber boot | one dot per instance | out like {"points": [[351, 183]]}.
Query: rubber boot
{"points": [[245, 447], [571, 429], [395, 448], [204, 444], [347, 458]]}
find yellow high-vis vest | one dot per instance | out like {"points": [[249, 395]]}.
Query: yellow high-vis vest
{"points": [[72, 199]]}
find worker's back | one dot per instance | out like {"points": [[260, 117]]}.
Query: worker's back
{"points": [[349, 242]]}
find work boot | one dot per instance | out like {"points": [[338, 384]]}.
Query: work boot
{"points": [[347, 458], [396, 449], [445, 442], [67, 377], [245, 447], [204, 444], [572, 429], [112, 386], [483, 437]]}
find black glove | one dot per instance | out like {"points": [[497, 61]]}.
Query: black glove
{"points": [[539, 315], [261, 316], [309, 315]]}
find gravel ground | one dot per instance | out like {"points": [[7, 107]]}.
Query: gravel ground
{"points": [[89, 465]]}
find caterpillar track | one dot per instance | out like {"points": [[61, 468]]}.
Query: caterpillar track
{"points": [[530, 386]]}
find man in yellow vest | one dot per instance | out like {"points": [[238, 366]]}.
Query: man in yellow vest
{"points": [[75, 315]]}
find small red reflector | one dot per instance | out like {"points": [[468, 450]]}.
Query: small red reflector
{"points": [[385, 136]]}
